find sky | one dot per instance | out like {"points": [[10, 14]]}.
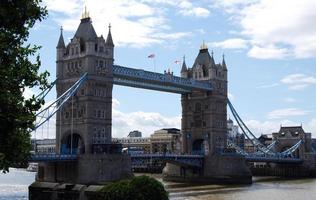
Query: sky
{"points": [[269, 47]]}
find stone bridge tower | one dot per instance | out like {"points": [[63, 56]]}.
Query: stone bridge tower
{"points": [[83, 125], [204, 114]]}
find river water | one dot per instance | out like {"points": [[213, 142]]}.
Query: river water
{"points": [[14, 186]]}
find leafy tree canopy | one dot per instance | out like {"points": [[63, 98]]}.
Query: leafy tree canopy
{"points": [[17, 72], [138, 188]]}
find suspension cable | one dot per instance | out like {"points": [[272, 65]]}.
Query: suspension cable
{"points": [[59, 135], [72, 122]]}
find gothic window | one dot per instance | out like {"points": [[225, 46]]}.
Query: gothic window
{"points": [[101, 64], [206, 107], [95, 92], [77, 50], [204, 123], [200, 74], [72, 67], [76, 65], [72, 51], [80, 63], [101, 49], [66, 115], [82, 92], [96, 47], [198, 107], [99, 113], [96, 63]]}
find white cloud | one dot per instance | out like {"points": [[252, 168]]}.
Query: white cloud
{"points": [[146, 122], [286, 112], [268, 52], [298, 81], [276, 29], [233, 43], [134, 23], [188, 9], [266, 127]]}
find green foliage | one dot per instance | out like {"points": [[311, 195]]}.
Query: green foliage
{"points": [[17, 72], [138, 188]]}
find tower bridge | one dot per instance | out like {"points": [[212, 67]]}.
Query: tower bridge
{"points": [[85, 154]]}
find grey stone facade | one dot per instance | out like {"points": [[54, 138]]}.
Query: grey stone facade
{"points": [[87, 116], [204, 114]]}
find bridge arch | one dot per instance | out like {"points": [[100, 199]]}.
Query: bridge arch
{"points": [[72, 143], [198, 146]]}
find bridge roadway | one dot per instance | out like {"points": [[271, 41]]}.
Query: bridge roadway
{"points": [[166, 82], [184, 160]]}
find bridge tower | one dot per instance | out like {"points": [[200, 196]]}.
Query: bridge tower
{"points": [[83, 125], [204, 114]]}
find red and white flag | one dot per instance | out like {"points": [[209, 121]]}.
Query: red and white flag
{"points": [[151, 56]]}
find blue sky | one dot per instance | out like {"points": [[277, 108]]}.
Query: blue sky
{"points": [[269, 47]]}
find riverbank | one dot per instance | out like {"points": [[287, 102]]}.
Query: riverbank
{"points": [[14, 186]]}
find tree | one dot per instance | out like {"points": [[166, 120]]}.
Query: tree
{"points": [[17, 72], [137, 188]]}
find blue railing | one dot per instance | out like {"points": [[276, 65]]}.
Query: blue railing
{"points": [[53, 157], [140, 77]]}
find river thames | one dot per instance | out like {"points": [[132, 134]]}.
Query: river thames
{"points": [[14, 186]]}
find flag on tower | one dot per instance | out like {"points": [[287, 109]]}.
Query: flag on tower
{"points": [[151, 55], [177, 61]]}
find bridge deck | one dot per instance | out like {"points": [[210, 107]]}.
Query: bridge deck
{"points": [[156, 81]]}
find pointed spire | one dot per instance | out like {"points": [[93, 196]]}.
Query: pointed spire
{"points": [[223, 62], [212, 59], [203, 46], [61, 43], [85, 13], [184, 66], [109, 40]]}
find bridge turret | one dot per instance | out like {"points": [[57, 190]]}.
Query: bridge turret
{"points": [[86, 119], [61, 49], [204, 114], [184, 69]]}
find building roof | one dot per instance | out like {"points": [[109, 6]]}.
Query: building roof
{"points": [[109, 40], [184, 66], [85, 30], [171, 130], [61, 43]]}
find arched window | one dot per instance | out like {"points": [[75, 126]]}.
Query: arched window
{"points": [[198, 107]]}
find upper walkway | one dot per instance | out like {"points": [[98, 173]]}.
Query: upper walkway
{"points": [[156, 81], [185, 160]]}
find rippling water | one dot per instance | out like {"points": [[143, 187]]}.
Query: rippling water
{"points": [[14, 186]]}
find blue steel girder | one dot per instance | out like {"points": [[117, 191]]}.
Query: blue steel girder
{"points": [[187, 160], [156, 81], [53, 158]]}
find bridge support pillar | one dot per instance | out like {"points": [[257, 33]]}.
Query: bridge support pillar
{"points": [[88, 169], [216, 169]]}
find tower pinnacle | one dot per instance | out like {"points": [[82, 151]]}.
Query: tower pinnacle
{"points": [[85, 13], [203, 46], [61, 43]]}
